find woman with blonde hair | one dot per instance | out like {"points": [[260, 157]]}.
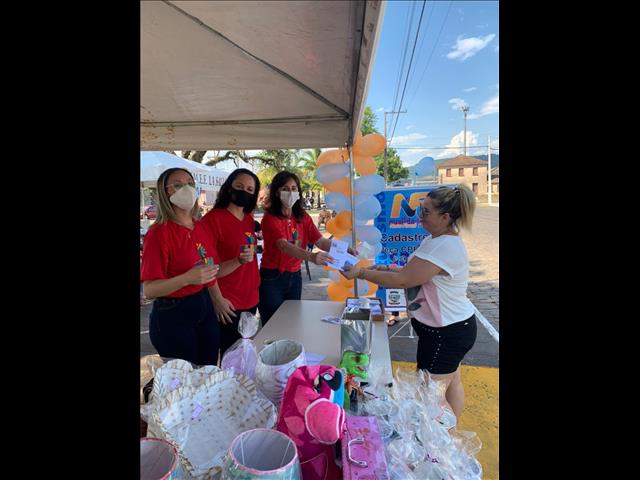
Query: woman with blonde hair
{"points": [[435, 279], [178, 270]]}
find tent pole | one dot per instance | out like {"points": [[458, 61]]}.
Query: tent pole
{"points": [[353, 212]]}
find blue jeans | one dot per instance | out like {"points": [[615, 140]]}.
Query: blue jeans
{"points": [[275, 288], [186, 328]]}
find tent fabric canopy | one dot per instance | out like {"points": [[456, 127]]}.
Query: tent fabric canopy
{"points": [[255, 75]]}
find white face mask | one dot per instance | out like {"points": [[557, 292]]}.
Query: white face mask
{"points": [[289, 198], [185, 197]]}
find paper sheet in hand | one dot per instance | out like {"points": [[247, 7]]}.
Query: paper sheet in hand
{"points": [[340, 256]]}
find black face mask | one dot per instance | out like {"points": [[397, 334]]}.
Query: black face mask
{"points": [[241, 198]]}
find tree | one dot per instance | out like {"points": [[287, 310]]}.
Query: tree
{"points": [[308, 166], [234, 155], [395, 170]]}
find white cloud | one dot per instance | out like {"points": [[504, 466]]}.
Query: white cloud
{"points": [[467, 47], [495, 143], [497, 48], [407, 139], [490, 106], [482, 26], [471, 89], [457, 145], [457, 103], [410, 127], [381, 109]]}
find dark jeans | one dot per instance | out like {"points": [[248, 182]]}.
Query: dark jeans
{"points": [[275, 288], [229, 332], [186, 328]]}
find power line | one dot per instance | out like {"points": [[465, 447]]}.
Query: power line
{"points": [[403, 55], [432, 51], [410, 63]]}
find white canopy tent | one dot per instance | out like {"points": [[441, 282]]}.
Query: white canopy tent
{"points": [[152, 164], [254, 75], [219, 75]]}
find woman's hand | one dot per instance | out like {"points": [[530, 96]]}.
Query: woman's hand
{"points": [[350, 272], [224, 309], [201, 274], [246, 256], [322, 258]]}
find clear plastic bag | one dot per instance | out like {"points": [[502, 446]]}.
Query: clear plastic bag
{"points": [[242, 356]]}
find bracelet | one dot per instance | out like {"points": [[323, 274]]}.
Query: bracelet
{"points": [[361, 274]]}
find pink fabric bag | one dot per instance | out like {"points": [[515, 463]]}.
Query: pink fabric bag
{"points": [[363, 450], [313, 421]]}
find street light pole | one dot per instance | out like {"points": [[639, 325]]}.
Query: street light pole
{"points": [[465, 109], [385, 144]]}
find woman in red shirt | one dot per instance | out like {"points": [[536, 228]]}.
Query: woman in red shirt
{"points": [[287, 230], [232, 229], [178, 267]]}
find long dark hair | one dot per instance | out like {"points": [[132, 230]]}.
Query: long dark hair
{"points": [[224, 196], [275, 204]]}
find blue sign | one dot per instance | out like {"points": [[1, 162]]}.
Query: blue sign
{"points": [[402, 233]]}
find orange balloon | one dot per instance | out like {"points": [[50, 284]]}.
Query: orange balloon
{"points": [[343, 186], [334, 229], [370, 146], [365, 165], [343, 220], [337, 293], [343, 282], [328, 156]]}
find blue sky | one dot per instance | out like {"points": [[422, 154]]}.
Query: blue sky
{"points": [[455, 61]]}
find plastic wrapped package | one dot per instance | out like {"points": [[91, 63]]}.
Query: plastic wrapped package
{"points": [[242, 356], [148, 366], [262, 454], [407, 449]]}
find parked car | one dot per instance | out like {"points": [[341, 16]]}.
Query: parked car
{"points": [[150, 212]]}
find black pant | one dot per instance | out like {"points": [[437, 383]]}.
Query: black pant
{"points": [[275, 288], [229, 331], [186, 328]]}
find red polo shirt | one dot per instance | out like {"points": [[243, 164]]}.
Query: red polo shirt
{"points": [[297, 233], [229, 234], [171, 249]]}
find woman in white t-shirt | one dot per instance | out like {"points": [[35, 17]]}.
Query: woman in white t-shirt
{"points": [[435, 279]]}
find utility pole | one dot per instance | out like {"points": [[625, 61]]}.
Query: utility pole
{"points": [[489, 160], [385, 144], [465, 109]]}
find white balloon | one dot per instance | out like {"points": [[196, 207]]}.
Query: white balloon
{"points": [[368, 233], [377, 248], [332, 172], [337, 201], [369, 184], [367, 207]]}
